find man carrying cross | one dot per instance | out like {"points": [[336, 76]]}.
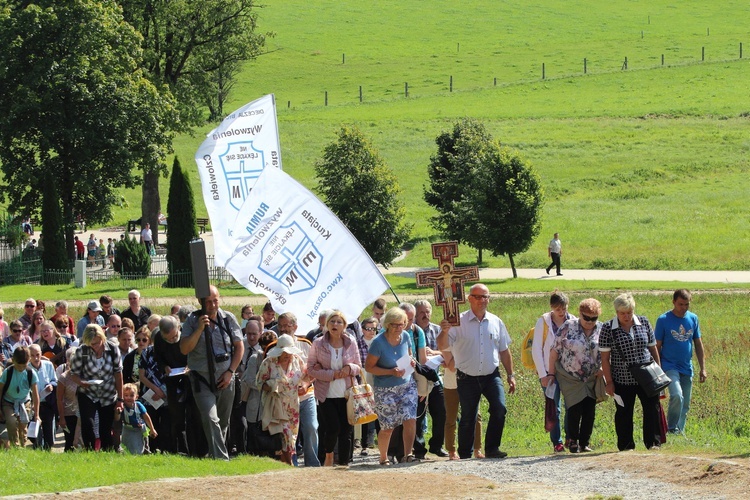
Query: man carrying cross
{"points": [[479, 344]]}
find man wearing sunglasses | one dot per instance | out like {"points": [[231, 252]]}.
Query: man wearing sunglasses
{"points": [[28, 310], [479, 345]]}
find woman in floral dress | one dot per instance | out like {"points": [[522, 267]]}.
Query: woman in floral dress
{"points": [[278, 376], [575, 362]]}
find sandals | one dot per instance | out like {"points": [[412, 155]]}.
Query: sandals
{"points": [[410, 458], [385, 463]]}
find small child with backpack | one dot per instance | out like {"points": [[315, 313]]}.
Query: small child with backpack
{"points": [[17, 383], [136, 424]]}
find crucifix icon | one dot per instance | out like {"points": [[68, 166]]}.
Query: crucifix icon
{"points": [[448, 281]]}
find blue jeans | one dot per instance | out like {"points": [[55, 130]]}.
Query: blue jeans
{"points": [[555, 435], [470, 391], [308, 431], [680, 392]]}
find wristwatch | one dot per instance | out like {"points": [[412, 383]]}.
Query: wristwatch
{"points": [[511, 375]]}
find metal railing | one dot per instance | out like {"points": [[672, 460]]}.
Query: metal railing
{"points": [[20, 271]]}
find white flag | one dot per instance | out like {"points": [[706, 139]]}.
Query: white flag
{"points": [[230, 161], [295, 251]]}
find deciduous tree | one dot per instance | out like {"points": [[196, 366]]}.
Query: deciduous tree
{"points": [[193, 50], [75, 103], [507, 199], [487, 196], [364, 193]]}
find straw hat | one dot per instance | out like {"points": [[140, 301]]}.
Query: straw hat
{"points": [[284, 344]]}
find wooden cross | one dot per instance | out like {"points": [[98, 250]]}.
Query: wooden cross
{"points": [[448, 281]]}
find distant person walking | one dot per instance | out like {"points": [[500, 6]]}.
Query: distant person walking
{"points": [[554, 250], [147, 237]]}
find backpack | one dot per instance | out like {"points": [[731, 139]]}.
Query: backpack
{"points": [[527, 359], [10, 370]]}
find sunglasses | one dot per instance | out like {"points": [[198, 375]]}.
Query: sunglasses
{"points": [[29, 305], [369, 328], [589, 318], [17, 330], [141, 340]]}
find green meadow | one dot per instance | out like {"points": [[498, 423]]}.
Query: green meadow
{"points": [[643, 168]]}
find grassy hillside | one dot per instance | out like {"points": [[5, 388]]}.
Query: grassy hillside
{"points": [[644, 168]]}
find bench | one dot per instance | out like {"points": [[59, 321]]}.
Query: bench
{"points": [[202, 223], [133, 225]]}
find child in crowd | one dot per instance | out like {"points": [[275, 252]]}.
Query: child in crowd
{"points": [[17, 383], [136, 424]]}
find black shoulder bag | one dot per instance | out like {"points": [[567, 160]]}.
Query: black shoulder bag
{"points": [[649, 376]]}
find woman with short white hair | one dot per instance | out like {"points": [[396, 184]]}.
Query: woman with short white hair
{"points": [[628, 340]]}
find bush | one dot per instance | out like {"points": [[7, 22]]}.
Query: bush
{"points": [[131, 258]]}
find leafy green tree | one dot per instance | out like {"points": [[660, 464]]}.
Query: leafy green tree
{"points": [[132, 258], [193, 50], [486, 196], [54, 256], [363, 192], [507, 199], [450, 171], [75, 103], [182, 228]]}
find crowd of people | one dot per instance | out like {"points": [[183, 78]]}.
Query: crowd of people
{"points": [[201, 383]]}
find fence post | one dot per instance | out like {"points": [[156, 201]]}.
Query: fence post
{"points": [[641, 34], [406, 89], [703, 53], [458, 47], [289, 104], [708, 31], [326, 98], [360, 93], [451, 84], [543, 71], [740, 50], [343, 58], [496, 77], [625, 64], [662, 59], [584, 66]]}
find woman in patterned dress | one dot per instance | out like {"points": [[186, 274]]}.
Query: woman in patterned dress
{"points": [[278, 376], [395, 395], [575, 362]]}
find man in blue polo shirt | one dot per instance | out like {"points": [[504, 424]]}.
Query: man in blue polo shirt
{"points": [[676, 331]]}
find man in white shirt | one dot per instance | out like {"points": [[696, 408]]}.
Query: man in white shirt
{"points": [[554, 251], [479, 344], [147, 237]]}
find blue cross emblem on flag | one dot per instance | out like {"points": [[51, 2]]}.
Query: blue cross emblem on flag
{"points": [[242, 164], [291, 258]]}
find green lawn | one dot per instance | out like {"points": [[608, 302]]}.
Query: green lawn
{"points": [[69, 471], [644, 168]]}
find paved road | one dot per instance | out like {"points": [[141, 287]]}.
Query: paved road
{"points": [[568, 274], [600, 274]]}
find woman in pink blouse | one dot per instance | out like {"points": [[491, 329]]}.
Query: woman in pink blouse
{"points": [[334, 361]]}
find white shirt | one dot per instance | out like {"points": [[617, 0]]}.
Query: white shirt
{"points": [[146, 235], [555, 245], [476, 345]]}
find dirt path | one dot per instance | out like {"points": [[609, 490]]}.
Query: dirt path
{"points": [[625, 475]]}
